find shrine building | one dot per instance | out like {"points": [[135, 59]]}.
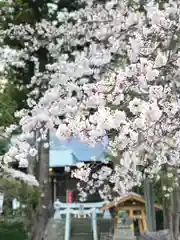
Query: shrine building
{"points": [[65, 154], [130, 209]]}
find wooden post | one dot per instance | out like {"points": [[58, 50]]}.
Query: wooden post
{"points": [[144, 221], [140, 225], [131, 214]]}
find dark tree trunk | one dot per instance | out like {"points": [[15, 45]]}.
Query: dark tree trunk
{"points": [[42, 169], [43, 178]]}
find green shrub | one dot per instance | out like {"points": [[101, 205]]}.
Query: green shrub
{"points": [[12, 231]]}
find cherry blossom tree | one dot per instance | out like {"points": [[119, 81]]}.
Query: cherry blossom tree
{"points": [[112, 68]]}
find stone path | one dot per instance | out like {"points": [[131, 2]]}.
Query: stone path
{"points": [[80, 229], [124, 233], [55, 230]]}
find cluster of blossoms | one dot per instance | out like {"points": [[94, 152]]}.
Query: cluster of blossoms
{"points": [[113, 71], [169, 180], [15, 174]]}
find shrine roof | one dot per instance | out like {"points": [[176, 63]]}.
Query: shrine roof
{"points": [[61, 158], [70, 152], [131, 196]]}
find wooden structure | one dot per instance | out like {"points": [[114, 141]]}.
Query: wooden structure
{"points": [[134, 205]]}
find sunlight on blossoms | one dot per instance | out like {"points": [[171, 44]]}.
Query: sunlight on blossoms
{"points": [[112, 70]]}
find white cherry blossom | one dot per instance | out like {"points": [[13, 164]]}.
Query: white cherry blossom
{"points": [[114, 71]]}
